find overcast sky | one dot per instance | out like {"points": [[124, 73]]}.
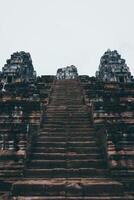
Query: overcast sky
{"points": [[58, 33]]}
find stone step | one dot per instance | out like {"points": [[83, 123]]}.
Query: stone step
{"points": [[69, 115], [8, 167], [128, 183], [71, 120], [6, 173], [4, 195], [73, 115], [126, 197], [67, 89], [66, 173], [49, 150], [127, 149], [66, 102], [5, 185], [66, 123], [50, 138], [64, 96], [50, 144], [49, 107], [74, 112], [64, 109], [67, 134], [65, 119], [74, 131], [80, 125], [123, 155], [73, 90], [68, 188], [63, 156], [71, 129], [126, 142], [70, 92], [123, 173], [124, 146], [66, 144], [50, 164], [80, 150], [67, 92]]}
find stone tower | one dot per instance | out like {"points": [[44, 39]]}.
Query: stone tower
{"points": [[69, 72], [113, 68], [19, 68]]}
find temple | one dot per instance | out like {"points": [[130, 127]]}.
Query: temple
{"points": [[19, 68], [69, 72], [67, 136], [113, 68]]}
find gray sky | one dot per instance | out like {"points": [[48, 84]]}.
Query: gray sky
{"points": [[58, 33]]}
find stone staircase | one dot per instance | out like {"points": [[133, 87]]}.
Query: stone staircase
{"points": [[66, 162]]}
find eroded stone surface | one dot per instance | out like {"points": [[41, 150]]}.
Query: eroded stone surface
{"points": [[69, 72], [113, 68]]}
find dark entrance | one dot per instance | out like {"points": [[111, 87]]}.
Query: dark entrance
{"points": [[9, 79], [121, 79]]}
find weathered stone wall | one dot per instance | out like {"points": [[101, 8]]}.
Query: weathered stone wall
{"points": [[112, 106], [22, 106]]}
